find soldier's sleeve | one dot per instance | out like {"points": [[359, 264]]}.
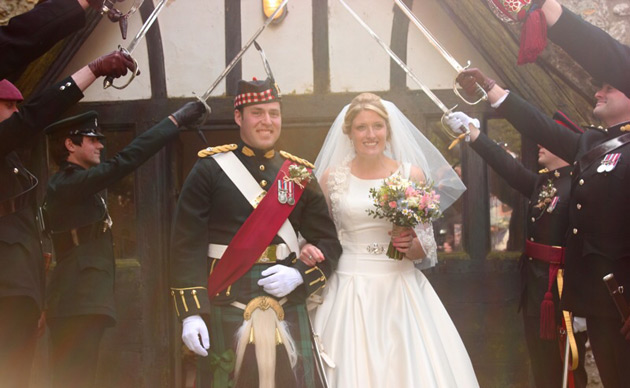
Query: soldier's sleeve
{"points": [[601, 55], [508, 167], [98, 178], [37, 113], [531, 122], [31, 34], [189, 243], [317, 228]]}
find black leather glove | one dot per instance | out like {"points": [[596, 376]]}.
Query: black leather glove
{"points": [[469, 78], [188, 114], [114, 64]]}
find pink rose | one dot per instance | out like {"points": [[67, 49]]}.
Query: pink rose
{"points": [[392, 204]]}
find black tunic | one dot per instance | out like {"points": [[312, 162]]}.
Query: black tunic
{"points": [[31, 34], [598, 240], [543, 226], [83, 280], [211, 209], [21, 261], [601, 55]]}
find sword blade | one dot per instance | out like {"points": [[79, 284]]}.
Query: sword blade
{"points": [[240, 54], [427, 34], [396, 59], [145, 27]]}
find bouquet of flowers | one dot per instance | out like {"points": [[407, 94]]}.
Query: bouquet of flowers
{"points": [[405, 203]]}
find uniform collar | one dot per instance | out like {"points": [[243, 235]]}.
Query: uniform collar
{"points": [[615, 130], [254, 152]]}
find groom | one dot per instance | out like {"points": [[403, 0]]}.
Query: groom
{"points": [[233, 262]]}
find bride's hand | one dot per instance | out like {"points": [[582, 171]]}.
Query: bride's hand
{"points": [[408, 243], [311, 255]]}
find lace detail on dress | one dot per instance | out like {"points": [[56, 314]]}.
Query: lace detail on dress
{"points": [[427, 240], [337, 188]]}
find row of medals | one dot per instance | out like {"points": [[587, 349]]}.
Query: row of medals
{"points": [[285, 192]]}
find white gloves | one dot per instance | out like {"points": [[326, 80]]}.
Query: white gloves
{"points": [[456, 120], [280, 280], [195, 330]]}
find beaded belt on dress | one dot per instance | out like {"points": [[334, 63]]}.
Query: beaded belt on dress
{"points": [[371, 248]]}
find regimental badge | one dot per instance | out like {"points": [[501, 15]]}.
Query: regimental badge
{"points": [[553, 204], [609, 163], [282, 192]]}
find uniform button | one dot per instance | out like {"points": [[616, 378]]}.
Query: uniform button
{"points": [[262, 167], [575, 231], [15, 170], [263, 183], [530, 259], [533, 219], [62, 87], [581, 182], [531, 239], [68, 84], [575, 163], [579, 206]]}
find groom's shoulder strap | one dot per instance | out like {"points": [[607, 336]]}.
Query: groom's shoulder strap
{"points": [[296, 159], [206, 152]]}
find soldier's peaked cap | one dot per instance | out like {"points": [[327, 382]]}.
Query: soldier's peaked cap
{"points": [[85, 124]]}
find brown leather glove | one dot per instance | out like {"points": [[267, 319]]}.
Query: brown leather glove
{"points": [[114, 64], [469, 78], [189, 113]]}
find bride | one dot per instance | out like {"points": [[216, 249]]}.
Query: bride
{"points": [[381, 322]]}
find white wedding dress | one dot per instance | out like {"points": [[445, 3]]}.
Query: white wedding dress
{"points": [[381, 322]]}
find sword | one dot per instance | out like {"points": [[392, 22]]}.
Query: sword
{"points": [[446, 111], [318, 354], [237, 58], [109, 81], [449, 58]]}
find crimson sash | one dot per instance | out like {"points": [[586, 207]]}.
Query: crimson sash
{"points": [[253, 237]]}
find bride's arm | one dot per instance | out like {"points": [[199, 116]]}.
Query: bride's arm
{"points": [[425, 238]]}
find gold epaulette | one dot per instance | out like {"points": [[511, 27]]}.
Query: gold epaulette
{"points": [[204, 153], [294, 158]]}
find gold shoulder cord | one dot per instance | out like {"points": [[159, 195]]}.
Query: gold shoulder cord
{"points": [[204, 153], [296, 159]]}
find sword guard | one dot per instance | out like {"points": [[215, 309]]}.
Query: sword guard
{"points": [[205, 116], [483, 96], [109, 80]]}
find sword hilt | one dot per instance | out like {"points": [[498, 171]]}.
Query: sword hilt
{"points": [[109, 80], [483, 96]]}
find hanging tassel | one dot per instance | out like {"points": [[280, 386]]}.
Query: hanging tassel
{"points": [[547, 317], [533, 37], [249, 367]]}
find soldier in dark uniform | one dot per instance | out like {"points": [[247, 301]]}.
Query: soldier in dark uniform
{"points": [[21, 260], [598, 241], [31, 34], [213, 212], [80, 302], [601, 55], [547, 222]]}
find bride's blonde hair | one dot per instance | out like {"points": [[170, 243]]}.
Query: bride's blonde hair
{"points": [[365, 101]]}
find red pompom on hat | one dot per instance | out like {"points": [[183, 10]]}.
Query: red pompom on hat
{"points": [[9, 92]]}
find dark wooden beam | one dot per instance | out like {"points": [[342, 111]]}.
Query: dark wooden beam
{"points": [[155, 53], [321, 52], [400, 31], [232, 43]]}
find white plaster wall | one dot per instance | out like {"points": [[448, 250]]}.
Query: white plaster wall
{"points": [[432, 69], [193, 37], [357, 62], [287, 45], [104, 39]]}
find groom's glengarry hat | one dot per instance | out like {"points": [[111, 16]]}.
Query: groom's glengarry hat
{"points": [[256, 92]]}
